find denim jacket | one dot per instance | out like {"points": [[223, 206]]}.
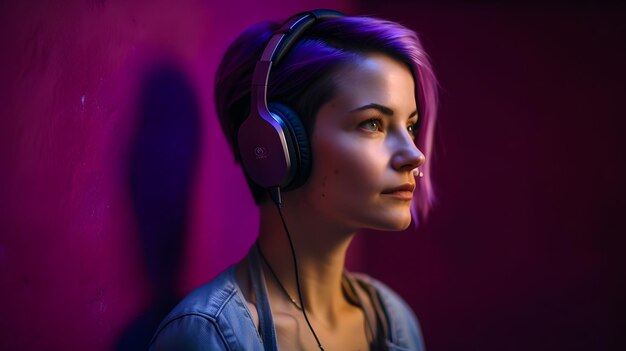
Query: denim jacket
{"points": [[215, 316]]}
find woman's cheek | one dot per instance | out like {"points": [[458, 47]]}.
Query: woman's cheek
{"points": [[347, 167]]}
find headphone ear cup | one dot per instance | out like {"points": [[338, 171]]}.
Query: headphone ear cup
{"points": [[299, 150]]}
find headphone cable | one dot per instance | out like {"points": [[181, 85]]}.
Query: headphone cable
{"points": [[275, 195]]}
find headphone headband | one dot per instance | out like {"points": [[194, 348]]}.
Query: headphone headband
{"points": [[291, 30], [284, 38]]}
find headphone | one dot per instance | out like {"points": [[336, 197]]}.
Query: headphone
{"points": [[272, 142]]}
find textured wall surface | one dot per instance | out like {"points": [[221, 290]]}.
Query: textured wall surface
{"points": [[118, 193], [524, 249]]}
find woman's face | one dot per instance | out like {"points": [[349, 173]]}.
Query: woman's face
{"points": [[363, 148]]}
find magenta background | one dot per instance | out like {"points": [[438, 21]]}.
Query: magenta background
{"points": [[523, 251]]}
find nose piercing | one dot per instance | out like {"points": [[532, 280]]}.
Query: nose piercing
{"points": [[417, 172]]}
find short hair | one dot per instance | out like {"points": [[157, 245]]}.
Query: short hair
{"points": [[303, 79]]}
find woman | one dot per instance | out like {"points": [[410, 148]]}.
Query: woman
{"points": [[350, 98]]}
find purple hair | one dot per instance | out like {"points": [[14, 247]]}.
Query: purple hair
{"points": [[303, 79]]}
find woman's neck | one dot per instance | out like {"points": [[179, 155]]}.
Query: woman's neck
{"points": [[320, 250]]}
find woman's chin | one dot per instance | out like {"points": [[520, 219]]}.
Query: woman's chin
{"points": [[395, 223], [402, 226]]}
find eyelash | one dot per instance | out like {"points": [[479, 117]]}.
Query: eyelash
{"points": [[412, 128]]}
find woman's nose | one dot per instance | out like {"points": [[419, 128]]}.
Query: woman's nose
{"points": [[406, 155]]}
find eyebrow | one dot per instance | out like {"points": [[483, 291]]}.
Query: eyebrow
{"points": [[382, 109]]}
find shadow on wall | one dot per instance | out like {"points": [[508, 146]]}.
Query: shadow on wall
{"points": [[163, 158]]}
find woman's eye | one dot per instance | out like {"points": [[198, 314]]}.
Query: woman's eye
{"points": [[372, 125], [412, 128]]}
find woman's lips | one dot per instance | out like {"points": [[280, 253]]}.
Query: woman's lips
{"points": [[402, 192], [402, 195]]}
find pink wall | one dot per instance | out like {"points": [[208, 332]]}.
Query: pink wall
{"points": [[80, 221], [524, 250]]}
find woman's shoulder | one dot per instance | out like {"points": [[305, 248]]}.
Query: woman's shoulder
{"points": [[213, 316], [405, 331], [209, 298]]}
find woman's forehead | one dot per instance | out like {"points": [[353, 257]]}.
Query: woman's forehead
{"points": [[376, 79]]}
